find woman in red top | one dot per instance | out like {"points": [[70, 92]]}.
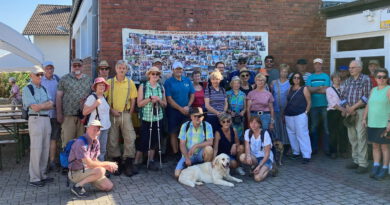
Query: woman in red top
{"points": [[199, 91]]}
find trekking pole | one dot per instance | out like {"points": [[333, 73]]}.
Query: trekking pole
{"points": [[158, 135], [150, 136]]}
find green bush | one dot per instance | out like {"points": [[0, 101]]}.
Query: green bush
{"points": [[22, 79]]}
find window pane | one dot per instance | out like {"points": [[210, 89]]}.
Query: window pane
{"points": [[361, 44], [343, 62], [366, 60]]}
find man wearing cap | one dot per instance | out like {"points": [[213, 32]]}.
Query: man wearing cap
{"points": [[179, 91], [317, 83], [344, 73], [241, 63], [38, 103], [196, 141], [72, 88], [84, 166], [50, 82], [103, 69], [273, 73], [354, 97], [301, 67], [121, 98], [372, 66]]}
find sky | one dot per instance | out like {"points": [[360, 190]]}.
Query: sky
{"points": [[16, 13]]}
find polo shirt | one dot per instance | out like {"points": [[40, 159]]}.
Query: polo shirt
{"points": [[74, 90], [40, 96], [195, 136], [317, 80], [117, 99], [81, 151], [179, 90], [51, 88]]}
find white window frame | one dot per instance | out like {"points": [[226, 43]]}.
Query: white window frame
{"points": [[357, 54]]}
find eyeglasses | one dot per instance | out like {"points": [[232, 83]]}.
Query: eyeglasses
{"points": [[219, 67], [381, 77], [225, 121], [155, 74], [247, 75], [198, 116], [269, 61], [39, 74], [296, 78], [76, 65]]}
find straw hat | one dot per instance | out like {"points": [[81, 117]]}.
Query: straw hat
{"points": [[153, 69]]}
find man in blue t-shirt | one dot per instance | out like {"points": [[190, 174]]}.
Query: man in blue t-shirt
{"points": [[317, 83], [179, 91]]}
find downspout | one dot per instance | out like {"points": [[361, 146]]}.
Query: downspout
{"points": [[95, 34], [70, 47]]}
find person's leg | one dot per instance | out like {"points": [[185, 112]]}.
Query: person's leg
{"points": [[80, 127], [376, 153], [35, 129], [173, 128], [385, 154], [90, 175], [129, 136], [332, 122], [265, 120], [325, 136], [54, 136], [303, 137], [103, 144], [103, 184], [352, 136], [314, 123], [292, 134], [233, 164], [179, 167], [262, 174], [46, 131], [113, 149], [208, 153], [362, 140], [342, 135], [68, 129]]}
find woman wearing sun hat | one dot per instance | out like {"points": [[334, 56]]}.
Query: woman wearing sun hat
{"points": [[96, 105]]}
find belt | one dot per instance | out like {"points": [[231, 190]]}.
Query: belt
{"points": [[38, 115], [260, 112]]}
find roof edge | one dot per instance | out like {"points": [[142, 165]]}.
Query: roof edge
{"points": [[353, 7], [75, 10]]}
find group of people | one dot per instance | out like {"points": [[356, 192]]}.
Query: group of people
{"points": [[238, 114]]}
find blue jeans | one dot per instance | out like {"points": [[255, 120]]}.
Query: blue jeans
{"points": [[103, 144], [317, 115], [265, 119], [195, 158]]}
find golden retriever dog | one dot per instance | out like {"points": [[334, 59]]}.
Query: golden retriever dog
{"points": [[208, 172]]}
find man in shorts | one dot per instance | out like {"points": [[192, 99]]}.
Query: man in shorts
{"points": [[84, 166]]}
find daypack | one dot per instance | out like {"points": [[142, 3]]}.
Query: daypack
{"points": [[262, 133], [85, 118], [203, 124], [25, 111]]}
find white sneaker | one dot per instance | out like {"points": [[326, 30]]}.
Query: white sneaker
{"points": [[240, 171]]}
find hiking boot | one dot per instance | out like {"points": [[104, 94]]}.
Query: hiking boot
{"points": [[153, 166], [129, 167], [52, 166], [47, 180], [361, 170], [383, 174], [374, 171], [118, 161], [135, 169], [294, 156], [305, 160], [37, 184], [78, 191], [352, 165], [240, 171]]}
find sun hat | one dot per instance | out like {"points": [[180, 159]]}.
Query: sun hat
{"points": [[100, 80], [152, 69]]}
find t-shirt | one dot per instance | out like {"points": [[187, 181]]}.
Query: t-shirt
{"points": [[179, 90], [256, 143], [378, 108], [217, 98], [317, 80], [260, 100], [104, 111], [81, 151], [121, 90], [198, 98]]}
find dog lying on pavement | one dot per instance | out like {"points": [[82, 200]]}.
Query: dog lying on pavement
{"points": [[208, 172]]}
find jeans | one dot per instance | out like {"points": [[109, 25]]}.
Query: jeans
{"points": [[265, 119], [103, 144], [337, 132], [317, 115]]}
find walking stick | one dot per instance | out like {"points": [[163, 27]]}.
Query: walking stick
{"points": [[158, 135], [150, 136]]}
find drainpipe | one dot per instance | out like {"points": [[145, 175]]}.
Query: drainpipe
{"points": [[95, 35]]}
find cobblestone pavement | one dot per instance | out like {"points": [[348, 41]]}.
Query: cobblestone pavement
{"points": [[322, 181]]}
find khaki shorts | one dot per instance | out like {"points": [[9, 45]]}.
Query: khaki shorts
{"points": [[77, 176]]}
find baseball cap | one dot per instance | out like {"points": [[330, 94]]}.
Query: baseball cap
{"points": [[196, 111], [318, 60], [157, 60], [95, 123], [47, 63], [177, 65], [373, 62], [302, 61], [343, 67], [77, 60]]}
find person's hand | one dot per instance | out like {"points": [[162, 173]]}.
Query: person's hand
{"points": [[271, 126], [364, 123], [60, 118], [191, 151], [112, 167], [256, 170], [350, 110], [188, 162], [115, 113], [184, 110], [248, 159], [98, 102], [233, 150], [155, 99], [35, 107]]}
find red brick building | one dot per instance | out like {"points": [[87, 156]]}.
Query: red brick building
{"points": [[296, 28]]}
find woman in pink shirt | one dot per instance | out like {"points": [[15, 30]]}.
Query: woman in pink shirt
{"points": [[199, 91], [15, 97], [260, 103], [337, 131]]}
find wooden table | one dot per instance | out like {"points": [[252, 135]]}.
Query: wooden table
{"points": [[12, 114], [9, 106]]}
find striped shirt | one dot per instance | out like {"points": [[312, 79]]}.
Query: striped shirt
{"points": [[355, 90], [217, 98]]}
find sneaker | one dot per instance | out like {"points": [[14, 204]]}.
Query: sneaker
{"points": [[374, 171], [153, 166], [294, 156], [305, 160], [361, 170], [383, 174], [78, 191], [352, 165], [240, 171], [47, 180], [37, 184]]}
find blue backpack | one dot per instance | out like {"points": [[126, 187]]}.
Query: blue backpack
{"points": [[64, 155]]}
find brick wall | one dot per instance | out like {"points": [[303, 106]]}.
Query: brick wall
{"points": [[295, 27]]}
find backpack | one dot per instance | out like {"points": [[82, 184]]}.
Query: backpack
{"points": [[85, 118], [203, 124], [56, 78], [141, 110], [25, 111], [64, 155], [262, 133]]}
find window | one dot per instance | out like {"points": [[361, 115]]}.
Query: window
{"points": [[343, 62], [365, 61], [361, 44]]}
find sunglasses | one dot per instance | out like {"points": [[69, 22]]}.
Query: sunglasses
{"points": [[198, 116], [247, 75], [77, 65], [155, 74], [269, 61], [296, 78], [106, 69], [381, 77], [225, 121], [39, 74]]}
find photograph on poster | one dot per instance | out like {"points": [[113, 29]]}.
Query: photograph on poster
{"points": [[199, 50]]}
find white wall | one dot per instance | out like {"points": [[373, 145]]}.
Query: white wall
{"points": [[82, 30], [55, 49]]}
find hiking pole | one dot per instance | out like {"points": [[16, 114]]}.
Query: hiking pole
{"points": [[158, 135], [150, 136]]}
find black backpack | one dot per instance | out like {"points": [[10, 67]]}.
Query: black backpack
{"points": [[262, 133], [203, 124], [25, 111], [85, 119]]}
